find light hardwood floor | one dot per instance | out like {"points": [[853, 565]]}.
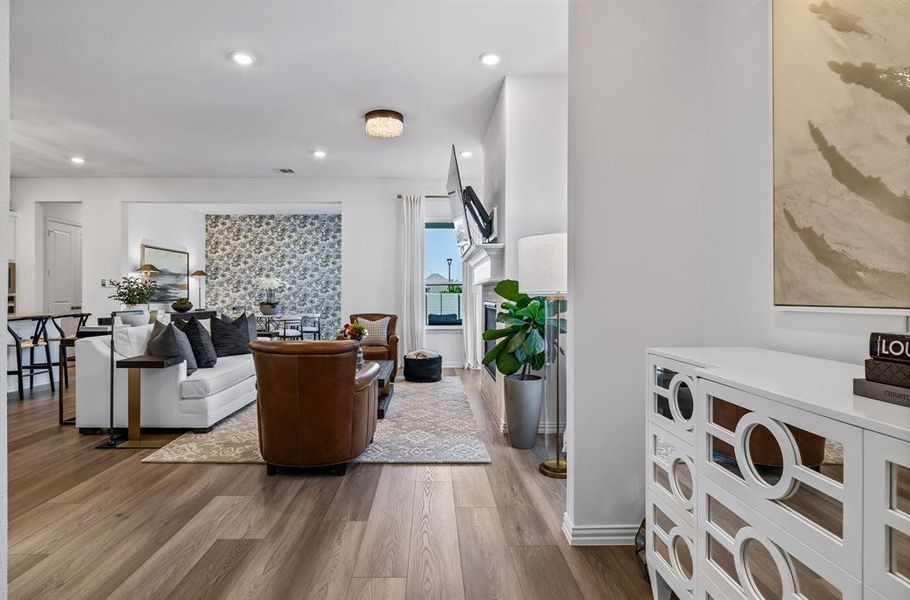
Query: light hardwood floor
{"points": [[87, 523]]}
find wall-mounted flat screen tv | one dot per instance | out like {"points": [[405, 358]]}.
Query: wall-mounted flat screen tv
{"points": [[473, 224]]}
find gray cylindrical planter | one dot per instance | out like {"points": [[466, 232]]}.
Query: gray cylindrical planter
{"points": [[523, 399]]}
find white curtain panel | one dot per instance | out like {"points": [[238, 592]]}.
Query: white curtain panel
{"points": [[413, 307]]}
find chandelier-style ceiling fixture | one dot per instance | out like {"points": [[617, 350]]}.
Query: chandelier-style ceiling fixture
{"points": [[384, 123]]}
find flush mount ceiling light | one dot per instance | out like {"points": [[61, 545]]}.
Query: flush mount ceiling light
{"points": [[466, 154], [243, 58], [384, 123], [489, 59], [77, 160], [319, 153]]}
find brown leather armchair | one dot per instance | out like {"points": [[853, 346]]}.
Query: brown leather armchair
{"points": [[315, 408], [389, 351]]}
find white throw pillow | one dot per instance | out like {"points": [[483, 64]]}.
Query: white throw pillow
{"points": [[377, 331]]}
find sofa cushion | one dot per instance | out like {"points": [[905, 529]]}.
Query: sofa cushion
{"points": [[231, 337], [168, 341], [201, 341], [229, 371], [251, 325], [376, 353], [377, 331], [131, 341]]}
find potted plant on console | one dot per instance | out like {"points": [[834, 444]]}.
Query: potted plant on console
{"points": [[269, 285], [521, 349], [133, 293]]}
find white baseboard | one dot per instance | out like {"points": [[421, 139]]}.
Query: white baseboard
{"points": [[598, 535]]}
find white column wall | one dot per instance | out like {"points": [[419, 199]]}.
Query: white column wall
{"points": [[636, 166], [4, 216], [670, 220]]}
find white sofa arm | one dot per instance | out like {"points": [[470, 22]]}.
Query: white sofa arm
{"points": [[160, 388]]}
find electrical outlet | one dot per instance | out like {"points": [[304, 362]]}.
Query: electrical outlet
{"points": [[104, 283]]}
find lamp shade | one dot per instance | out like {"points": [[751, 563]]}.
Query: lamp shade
{"points": [[198, 273], [148, 268], [543, 264]]}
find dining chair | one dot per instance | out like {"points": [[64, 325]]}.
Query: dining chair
{"points": [[38, 339], [79, 319], [315, 327], [289, 328]]}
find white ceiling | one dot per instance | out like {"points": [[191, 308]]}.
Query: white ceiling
{"points": [[142, 87]]}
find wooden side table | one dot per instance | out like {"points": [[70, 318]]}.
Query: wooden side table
{"points": [[136, 364]]}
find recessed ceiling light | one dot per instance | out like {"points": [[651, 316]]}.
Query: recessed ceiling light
{"points": [[466, 154], [489, 59], [319, 153], [77, 160], [242, 57]]}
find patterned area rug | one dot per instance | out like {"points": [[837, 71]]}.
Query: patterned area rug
{"points": [[425, 423]]}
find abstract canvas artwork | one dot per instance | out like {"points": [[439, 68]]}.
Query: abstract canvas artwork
{"points": [[842, 153], [173, 277]]}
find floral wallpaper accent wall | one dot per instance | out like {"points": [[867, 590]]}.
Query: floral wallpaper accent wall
{"points": [[303, 251]]}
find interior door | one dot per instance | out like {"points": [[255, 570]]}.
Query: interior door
{"points": [[63, 266]]}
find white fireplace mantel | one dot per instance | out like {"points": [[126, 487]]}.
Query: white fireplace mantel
{"points": [[486, 261]]}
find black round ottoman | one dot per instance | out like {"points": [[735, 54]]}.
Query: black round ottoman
{"points": [[423, 370]]}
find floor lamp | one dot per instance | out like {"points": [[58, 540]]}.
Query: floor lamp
{"points": [[542, 271], [198, 275]]}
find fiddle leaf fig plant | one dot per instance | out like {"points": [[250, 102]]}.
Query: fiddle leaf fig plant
{"points": [[522, 341]]}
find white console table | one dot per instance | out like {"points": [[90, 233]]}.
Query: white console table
{"points": [[720, 526]]}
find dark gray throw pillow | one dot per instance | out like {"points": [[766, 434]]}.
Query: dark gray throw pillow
{"points": [[201, 341], [169, 341], [230, 337], [251, 325]]}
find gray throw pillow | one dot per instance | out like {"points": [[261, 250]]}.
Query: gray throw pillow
{"points": [[201, 341], [230, 337], [168, 341], [251, 325]]}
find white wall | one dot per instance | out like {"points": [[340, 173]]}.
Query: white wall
{"points": [[4, 209], [536, 160], [525, 160], [738, 249], [670, 197], [494, 157], [370, 221], [168, 226], [635, 183]]}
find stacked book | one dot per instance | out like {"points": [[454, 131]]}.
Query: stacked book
{"points": [[887, 369]]}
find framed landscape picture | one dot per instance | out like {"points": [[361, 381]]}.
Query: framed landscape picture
{"points": [[173, 278], [841, 96]]}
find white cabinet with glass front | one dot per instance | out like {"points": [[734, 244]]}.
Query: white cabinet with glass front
{"points": [[798, 487]]}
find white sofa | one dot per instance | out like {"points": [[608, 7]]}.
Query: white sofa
{"points": [[170, 398]]}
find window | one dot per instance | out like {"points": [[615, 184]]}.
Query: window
{"points": [[442, 275]]}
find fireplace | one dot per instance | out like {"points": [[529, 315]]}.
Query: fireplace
{"points": [[489, 322]]}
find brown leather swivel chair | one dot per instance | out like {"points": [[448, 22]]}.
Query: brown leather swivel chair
{"points": [[388, 351], [315, 408]]}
